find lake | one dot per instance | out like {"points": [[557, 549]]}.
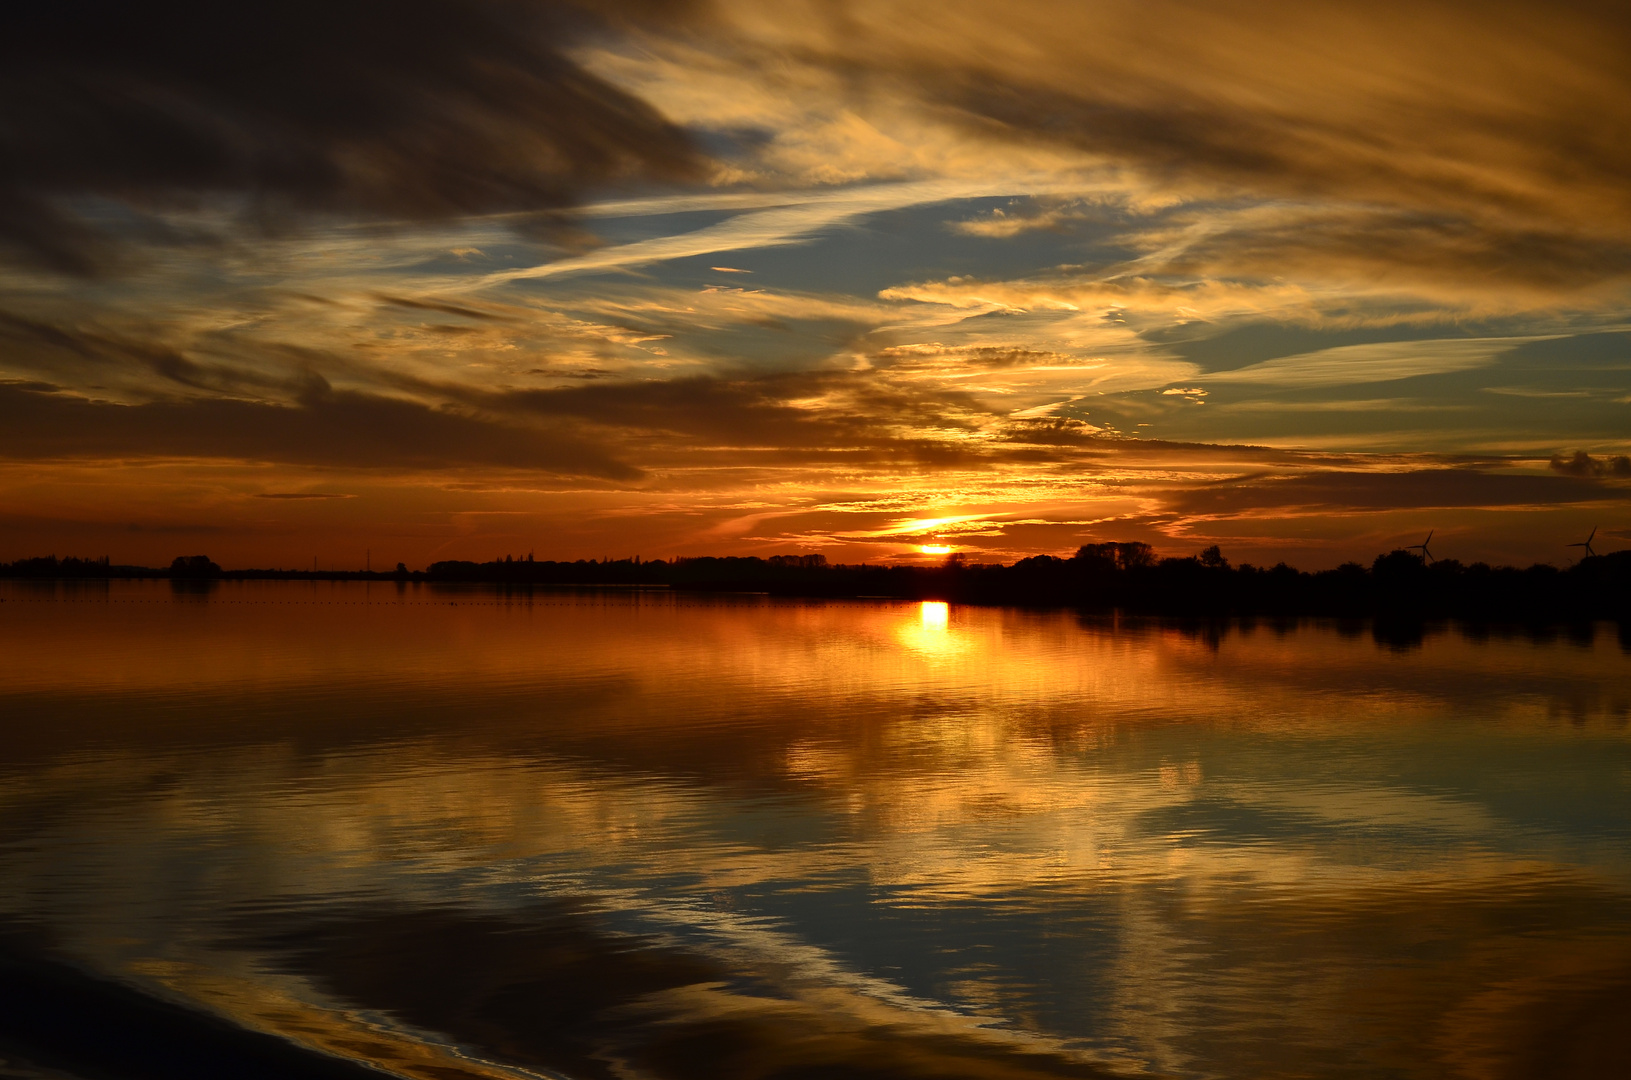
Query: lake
{"points": [[454, 833]]}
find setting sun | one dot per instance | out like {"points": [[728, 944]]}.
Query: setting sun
{"points": [[484, 486]]}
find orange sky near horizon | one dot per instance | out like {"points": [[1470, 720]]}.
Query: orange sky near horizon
{"points": [[361, 282]]}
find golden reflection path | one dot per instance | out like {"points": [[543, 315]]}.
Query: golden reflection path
{"points": [[977, 842]]}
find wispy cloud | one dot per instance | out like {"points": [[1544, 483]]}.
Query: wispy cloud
{"points": [[1039, 271], [787, 223], [1383, 362]]}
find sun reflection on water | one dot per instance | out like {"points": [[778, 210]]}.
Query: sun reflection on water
{"points": [[1034, 822], [931, 636]]}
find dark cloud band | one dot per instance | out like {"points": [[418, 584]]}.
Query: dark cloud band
{"points": [[418, 109], [327, 428]]}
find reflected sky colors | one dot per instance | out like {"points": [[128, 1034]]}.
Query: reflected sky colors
{"points": [[676, 278], [983, 842]]}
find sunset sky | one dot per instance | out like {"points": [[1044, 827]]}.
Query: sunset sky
{"points": [[460, 278]]}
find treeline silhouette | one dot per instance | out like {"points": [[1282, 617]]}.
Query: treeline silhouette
{"points": [[1125, 576], [49, 566]]}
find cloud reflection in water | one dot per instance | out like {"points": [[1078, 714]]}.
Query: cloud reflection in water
{"points": [[971, 842]]}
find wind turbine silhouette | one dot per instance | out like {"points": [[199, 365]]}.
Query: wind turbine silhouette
{"points": [[1590, 551], [1422, 547]]}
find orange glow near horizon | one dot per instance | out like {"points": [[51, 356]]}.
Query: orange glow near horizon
{"points": [[1275, 354]]}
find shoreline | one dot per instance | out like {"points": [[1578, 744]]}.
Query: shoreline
{"points": [[1535, 597]]}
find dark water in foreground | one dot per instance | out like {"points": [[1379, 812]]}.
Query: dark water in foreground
{"points": [[459, 834]]}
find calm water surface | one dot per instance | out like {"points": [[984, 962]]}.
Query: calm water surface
{"points": [[598, 834]]}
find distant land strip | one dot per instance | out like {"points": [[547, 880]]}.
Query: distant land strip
{"points": [[1109, 576]]}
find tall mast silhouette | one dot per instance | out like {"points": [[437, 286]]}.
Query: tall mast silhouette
{"points": [[1590, 551], [1422, 547]]}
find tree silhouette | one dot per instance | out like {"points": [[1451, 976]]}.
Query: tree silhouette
{"points": [[194, 566]]}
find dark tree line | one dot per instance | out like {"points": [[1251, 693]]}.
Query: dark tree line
{"points": [[49, 566], [1130, 577], [1125, 576]]}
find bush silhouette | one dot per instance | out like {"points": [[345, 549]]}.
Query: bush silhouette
{"points": [[194, 566]]}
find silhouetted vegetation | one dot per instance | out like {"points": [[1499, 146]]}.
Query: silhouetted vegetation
{"points": [[1401, 585], [49, 566], [1129, 576], [194, 566]]}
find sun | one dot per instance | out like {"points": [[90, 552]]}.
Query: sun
{"points": [[935, 549]]}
